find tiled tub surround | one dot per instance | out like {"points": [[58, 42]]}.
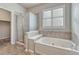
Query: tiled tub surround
{"points": [[57, 34], [64, 33]]}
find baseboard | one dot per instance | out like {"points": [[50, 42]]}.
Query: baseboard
{"points": [[5, 38], [29, 51], [20, 43]]}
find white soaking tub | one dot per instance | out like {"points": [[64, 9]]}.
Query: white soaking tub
{"points": [[55, 46]]}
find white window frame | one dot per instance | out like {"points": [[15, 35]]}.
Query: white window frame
{"points": [[55, 27], [46, 18]]}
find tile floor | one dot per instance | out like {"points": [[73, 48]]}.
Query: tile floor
{"points": [[8, 49]]}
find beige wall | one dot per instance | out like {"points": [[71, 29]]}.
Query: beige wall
{"points": [[5, 15], [39, 8], [75, 23], [4, 29]]}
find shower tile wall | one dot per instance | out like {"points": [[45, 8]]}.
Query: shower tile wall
{"points": [[63, 35]]}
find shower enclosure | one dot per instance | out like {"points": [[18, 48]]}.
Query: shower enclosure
{"points": [[19, 29]]}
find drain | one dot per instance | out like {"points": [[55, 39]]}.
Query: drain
{"points": [[52, 43]]}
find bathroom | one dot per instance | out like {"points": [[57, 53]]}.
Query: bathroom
{"points": [[48, 31], [44, 28], [49, 24]]}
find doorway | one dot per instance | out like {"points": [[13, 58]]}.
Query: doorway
{"points": [[19, 29], [5, 26]]}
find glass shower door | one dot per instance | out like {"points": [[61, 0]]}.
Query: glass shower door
{"points": [[20, 31]]}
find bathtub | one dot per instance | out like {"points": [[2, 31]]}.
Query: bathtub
{"points": [[55, 46]]}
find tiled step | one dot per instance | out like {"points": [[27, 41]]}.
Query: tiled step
{"points": [[20, 45]]}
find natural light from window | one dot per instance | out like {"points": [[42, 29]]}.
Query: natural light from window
{"points": [[53, 18]]}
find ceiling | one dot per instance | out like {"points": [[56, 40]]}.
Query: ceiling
{"points": [[29, 5]]}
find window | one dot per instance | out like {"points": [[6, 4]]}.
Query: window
{"points": [[53, 18], [58, 17], [46, 18]]}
